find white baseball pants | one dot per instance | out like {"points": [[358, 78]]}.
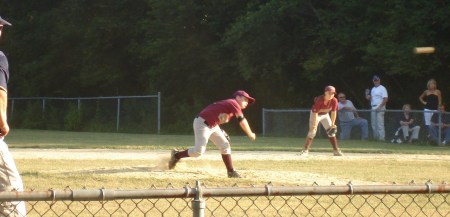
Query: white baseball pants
{"points": [[203, 133], [324, 119], [10, 180]]}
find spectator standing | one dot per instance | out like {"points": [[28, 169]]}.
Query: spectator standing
{"points": [[10, 179], [407, 125], [443, 124], [349, 117], [378, 97], [431, 98]]}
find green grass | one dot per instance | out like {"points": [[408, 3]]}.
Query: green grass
{"points": [[78, 140]]}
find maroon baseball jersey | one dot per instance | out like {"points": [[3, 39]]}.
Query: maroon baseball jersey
{"points": [[322, 108], [229, 107]]}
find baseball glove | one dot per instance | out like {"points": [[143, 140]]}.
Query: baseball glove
{"points": [[331, 132]]}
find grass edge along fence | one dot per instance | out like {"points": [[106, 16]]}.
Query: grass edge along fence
{"points": [[392, 200], [43, 102]]}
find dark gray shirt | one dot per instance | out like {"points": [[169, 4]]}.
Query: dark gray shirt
{"points": [[4, 71]]}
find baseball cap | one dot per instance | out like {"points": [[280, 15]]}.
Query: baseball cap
{"points": [[4, 22], [244, 94], [375, 78], [330, 88]]}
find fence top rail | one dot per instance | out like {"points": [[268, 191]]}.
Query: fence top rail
{"points": [[287, 110], [72, 98], [188, 192], [359, 110]]}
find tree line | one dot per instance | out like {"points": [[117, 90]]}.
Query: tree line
{"points": [[195, 52]]}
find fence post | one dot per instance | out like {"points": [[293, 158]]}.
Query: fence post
{"points": [[79, 106], [118, 115], [43, 106], [198, 204], [439, 141], [159, 113], [263, 122]]}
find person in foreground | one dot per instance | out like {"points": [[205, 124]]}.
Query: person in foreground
{"points": [[10, 179], [206, 127], [323, 105]]}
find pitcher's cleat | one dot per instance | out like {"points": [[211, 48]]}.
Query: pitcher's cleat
{"points": [[234, 174], [173, 159]]}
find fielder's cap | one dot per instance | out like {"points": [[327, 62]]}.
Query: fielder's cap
{"points": [[244, 94], [330, 88], [375, 78], [4, 22]]}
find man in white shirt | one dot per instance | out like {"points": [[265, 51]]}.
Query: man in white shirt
{"points": [[378, 98], [347, 120]]}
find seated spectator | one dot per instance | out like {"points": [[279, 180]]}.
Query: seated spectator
{"points": [[443, 124], [348, 118], [407, 125]]}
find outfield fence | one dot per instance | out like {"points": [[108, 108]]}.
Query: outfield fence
{"points": [[136, 114], [349, 200]]}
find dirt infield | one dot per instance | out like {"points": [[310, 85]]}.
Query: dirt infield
{"points": [[159, 159], [127, 154]]}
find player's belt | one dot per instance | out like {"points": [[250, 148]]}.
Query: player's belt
{"points": [[374, 105], [206, 122]]}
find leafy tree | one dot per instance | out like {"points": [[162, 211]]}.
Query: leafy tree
{"points": [[195, 52]]}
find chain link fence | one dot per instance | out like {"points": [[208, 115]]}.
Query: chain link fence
{"points": [[349, 200], [135, 114]]}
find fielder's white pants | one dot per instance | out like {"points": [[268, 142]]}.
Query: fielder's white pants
{"points": [[203, 133], [10, 180], [324, 119]]}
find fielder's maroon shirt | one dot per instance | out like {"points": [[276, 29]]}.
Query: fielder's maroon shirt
{"points": [[332, 105], [228, 106]]}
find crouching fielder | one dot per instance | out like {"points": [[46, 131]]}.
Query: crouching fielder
{"points": [[206, 127], [320, 114]]}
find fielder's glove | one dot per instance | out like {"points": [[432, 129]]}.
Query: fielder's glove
{"points": [[331, 132]]}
